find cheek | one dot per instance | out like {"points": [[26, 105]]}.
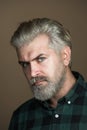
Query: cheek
{"points": [[54, 69], [50, 68]]}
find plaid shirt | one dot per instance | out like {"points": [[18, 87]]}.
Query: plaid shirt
{"points": [[70, 114]]}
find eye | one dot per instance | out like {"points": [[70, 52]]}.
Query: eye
{"points": [[24, 64], [41, 59]]}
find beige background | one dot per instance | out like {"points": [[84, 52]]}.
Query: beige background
{"points": [[14, 89]]}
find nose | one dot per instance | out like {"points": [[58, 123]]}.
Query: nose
{"points": [[35, 69]]}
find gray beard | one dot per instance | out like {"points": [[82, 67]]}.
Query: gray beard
{"points": [[46, 92]]}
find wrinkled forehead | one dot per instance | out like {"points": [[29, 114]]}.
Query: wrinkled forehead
{"points": [[38, 46]]}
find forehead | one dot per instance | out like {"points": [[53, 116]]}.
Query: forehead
{"points": [[39, 45], [41, 41]]}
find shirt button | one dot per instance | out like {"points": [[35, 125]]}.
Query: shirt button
{"points": [[69, 102], [56, 115]]}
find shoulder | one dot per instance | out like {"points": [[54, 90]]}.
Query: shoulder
{"points": [[80, 81], [82, 87], [29, 105], [81, 84], [24, 112]]}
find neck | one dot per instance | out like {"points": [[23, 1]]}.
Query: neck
{"points": [[67, 86]]}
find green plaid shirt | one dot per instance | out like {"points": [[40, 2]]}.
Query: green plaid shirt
{"points": [[70, 114]]}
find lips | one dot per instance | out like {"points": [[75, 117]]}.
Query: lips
{"points": [[38, 80], [38, 83]]}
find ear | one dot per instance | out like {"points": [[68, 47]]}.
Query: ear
{"points": [[66, 55]]}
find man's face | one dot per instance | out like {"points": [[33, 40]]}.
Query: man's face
{"points": [[43, 67]]}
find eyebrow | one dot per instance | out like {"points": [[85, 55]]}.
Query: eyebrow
{"points": [[27, 62], [37, 56]]}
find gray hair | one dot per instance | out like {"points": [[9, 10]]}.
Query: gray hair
{"points": [[27, 31]]}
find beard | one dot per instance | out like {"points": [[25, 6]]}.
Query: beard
{"points": [[45, 92]]}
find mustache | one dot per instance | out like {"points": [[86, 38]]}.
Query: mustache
{"points": [[38, 78]]}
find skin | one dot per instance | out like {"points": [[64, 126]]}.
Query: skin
{"points": [[38, 59]]}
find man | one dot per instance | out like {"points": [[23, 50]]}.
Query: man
{"points": [[43, 48]]}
